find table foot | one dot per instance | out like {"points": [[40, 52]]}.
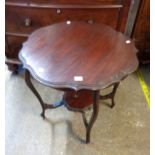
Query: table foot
{"points": [[88, 125], [111, 95], [43, 115]]}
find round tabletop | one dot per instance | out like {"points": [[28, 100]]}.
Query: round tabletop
{"points": [[78, 55]]}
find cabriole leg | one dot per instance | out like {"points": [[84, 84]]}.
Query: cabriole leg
{"points": [[114, 92], [111, 95], [30, 85], [89, 124]]}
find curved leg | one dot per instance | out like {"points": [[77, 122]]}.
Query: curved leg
{"points": [[111, 95], [30, 85], [89, 124], [114, 92], [84, 119]]}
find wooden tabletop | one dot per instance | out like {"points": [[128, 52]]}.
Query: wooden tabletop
{"points": [[78, 55]]}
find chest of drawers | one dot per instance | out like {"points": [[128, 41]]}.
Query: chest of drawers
{"points": [[25, 16]]}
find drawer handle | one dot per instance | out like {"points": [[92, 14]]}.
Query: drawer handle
{"points": [[27, 22], [91, 21], [58, 11]]}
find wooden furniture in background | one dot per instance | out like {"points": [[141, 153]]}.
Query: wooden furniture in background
{"points": [[25, 16], [141, 31], [90, 58]]}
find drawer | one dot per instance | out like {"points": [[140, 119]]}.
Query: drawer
{"points": [[25, 20], [17, 1], [13, 45], [89, 2]]}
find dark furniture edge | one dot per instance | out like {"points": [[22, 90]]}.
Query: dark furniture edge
{"points": [[71, 85], [12, 61], [17, 34], [73, 6]]}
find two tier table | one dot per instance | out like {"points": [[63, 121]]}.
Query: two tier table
{"points": [[80, 59]]}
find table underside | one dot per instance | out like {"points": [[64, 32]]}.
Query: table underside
{"points": [[77, 101]]}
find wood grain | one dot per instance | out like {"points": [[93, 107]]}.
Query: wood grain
{"points": [[56, 54], [42, 13]]}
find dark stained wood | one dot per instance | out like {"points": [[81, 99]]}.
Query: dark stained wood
{"points": [[78, 1], [56, 54], [111, 95], [94, 115], [25, 16], [14, 44], [70, 103], [50, 16], [123, 16], [55, 6], [141, 32], [64, 2], [78, 100]]}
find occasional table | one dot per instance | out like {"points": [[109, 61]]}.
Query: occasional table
{"points": [[80, 59]]}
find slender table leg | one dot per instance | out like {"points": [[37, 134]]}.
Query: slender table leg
{"points": [[111, 95], [30, 85], [114, 92], [89, 124]]}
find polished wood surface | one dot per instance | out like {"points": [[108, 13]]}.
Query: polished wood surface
{"points": [[56, 54], [79, 58], [25, 16], [78, 100]]}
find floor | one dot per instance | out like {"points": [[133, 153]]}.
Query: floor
{"points": [[145, 70], [123, 130]]}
